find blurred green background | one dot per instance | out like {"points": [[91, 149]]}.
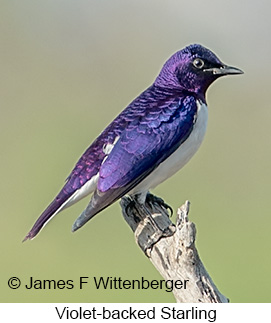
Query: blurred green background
{"points": [[67, 69]]}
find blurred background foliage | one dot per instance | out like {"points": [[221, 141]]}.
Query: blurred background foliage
{"points": [[67, 69]]}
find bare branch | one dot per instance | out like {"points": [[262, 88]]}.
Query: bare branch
{"points": [[171, 248]]}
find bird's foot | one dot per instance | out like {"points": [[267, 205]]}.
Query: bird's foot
{"points": [[152, 199], [148, 218], [130, 207]]}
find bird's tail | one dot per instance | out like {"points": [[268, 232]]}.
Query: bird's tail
{"points": [[99, 201], [87, 214]]}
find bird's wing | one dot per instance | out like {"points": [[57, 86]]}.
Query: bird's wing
{"points": [[142, 146], [83, 178]]}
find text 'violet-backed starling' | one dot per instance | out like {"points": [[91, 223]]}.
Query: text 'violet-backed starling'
{"points": [[146, 143]]}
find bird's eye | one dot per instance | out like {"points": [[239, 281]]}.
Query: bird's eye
{"points": [[198, 63]]}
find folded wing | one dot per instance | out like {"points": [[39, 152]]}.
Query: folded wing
{"points": [[143, 145]]}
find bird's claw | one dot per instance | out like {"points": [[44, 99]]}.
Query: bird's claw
{"points": [[150, 198]]}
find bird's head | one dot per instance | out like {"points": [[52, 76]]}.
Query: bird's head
{"points": [[193, 69]]}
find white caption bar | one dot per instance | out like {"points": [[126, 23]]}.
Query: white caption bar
{"points": [[123, 312]]}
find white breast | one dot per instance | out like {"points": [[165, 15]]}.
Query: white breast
{"points": [[180, 157]]}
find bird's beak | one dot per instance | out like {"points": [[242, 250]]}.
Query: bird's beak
{"points": [[224, 70]]}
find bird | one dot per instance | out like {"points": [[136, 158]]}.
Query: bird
{"points": [[148, 142]]}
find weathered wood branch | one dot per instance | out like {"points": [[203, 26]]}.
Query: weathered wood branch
{"points": [[171, 248]]}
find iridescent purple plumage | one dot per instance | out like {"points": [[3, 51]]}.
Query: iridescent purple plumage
{"points": [[142, 137]]}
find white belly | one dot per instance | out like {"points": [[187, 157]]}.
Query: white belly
{"points": [[180, 157]]}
